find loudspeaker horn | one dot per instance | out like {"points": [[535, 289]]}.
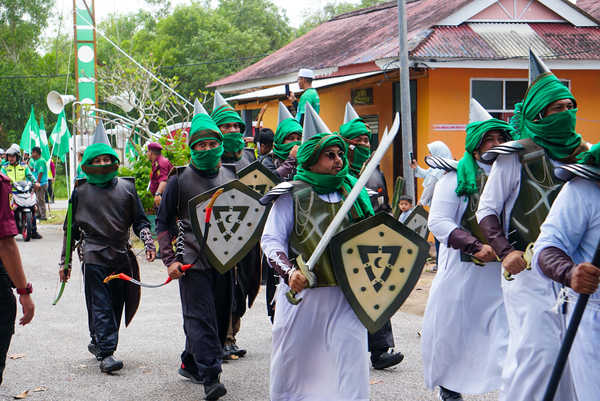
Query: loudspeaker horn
{"points": [[57, 102], [126, 101]]}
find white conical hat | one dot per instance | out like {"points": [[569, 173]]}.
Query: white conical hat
{"points": [[284, 113], [100, 135], [312, 124], [350, 114], [477, 112], [198, 108], [219, 101], [536, 67]]}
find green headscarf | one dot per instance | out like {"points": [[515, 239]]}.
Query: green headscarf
{"points": [[233, 142], [360, 153], [95, 174], [592, 156], [467, 166], [555, 133], [286, 127], [309, 153], [204, 128]]}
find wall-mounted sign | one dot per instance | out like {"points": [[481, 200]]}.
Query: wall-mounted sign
{"points": [[449, 127], [362, 96]]}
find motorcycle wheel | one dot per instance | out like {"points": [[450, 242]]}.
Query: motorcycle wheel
{"points": [[27, 226]]}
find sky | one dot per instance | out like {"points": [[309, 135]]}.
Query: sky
{"points": [[295, 9]]}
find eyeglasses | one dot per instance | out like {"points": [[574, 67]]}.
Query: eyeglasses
{"points": [[331, 155]]}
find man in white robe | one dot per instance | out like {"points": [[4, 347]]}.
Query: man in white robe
{"points": [[569, 239], [319, 346], [465, 331]]}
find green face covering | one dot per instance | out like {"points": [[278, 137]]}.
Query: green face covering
{"points": [[207, 160], [99, 174], [285, 128], [467, 166], [308, 155], [233, 142], [592, 156], [360, 153], [203, 127], [555, 133], [226, 114]]}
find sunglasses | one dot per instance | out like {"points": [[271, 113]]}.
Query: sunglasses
{"points": [[331, 155]]}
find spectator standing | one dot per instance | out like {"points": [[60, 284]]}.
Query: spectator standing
{"points": [[405, 204], [51, 178], [40, 173], [310, 95], [11, 274], [161, 167]]}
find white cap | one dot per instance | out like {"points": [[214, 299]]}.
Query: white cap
{"points": [[306, 73]]}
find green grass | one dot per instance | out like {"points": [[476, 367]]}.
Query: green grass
{"points": [[55, 217], [60, 187]]}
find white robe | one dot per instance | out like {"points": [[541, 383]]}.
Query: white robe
{"points": [[465, 331], [573, 226], [319, 346], [535, 331]]}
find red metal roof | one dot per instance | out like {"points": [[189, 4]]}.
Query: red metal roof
{"points": [[357, 37], [550, 40], [592, 7], [364, 36]]}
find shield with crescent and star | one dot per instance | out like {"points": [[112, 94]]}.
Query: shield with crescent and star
{"points": [[258, 177], [235, 226], [377, 263]]}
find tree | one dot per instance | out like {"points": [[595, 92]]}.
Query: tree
{"points": [[330, 10]]}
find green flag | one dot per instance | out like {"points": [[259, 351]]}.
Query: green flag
{"points": [[60, 136], [30, 134], [130, 151], [43, 140]]}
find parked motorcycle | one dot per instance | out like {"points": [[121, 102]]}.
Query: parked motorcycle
{"points": [[24, 207]]}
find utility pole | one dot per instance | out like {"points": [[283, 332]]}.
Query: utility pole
{"points": [[405, 112]]}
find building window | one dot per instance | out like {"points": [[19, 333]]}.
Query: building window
{"points": [[499, 96]]}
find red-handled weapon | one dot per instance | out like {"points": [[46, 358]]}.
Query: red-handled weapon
{"points": [[208, 213]]}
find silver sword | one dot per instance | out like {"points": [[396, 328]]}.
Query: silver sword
{"points": [[307, 268]]}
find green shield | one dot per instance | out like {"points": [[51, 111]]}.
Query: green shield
{"points": [[378, 262]]}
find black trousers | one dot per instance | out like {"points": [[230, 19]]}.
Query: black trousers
{"points": [[381, 340], [206, 297], [105, 304], [8, 315]]}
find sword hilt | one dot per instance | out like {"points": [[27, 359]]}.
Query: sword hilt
{"points": [[527, 257], [308, 274]]}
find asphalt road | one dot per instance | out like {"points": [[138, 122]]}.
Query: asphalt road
{"points": [[54, 356]]}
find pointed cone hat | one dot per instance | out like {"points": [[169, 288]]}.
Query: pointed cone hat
{"points": [[536, 67], [100, 135], [312, 124], [477, 112], [198, 108], [350, 113], [219, 101], [284, 113]]}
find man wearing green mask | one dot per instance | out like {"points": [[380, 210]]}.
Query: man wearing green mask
{"points": [[104, 209], [465, 317], [357, 136], [236, 154], [515, 202], [205, 293], [282, 162], [322, 336], [232, 127]]}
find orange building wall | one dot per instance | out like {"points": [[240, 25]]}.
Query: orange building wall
{"points": [[442, 98]]}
